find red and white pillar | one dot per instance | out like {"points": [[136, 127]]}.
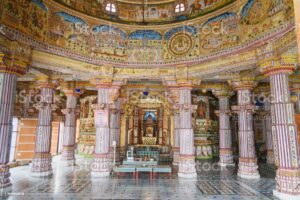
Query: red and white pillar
{"points": [[284, 130], [248, 167], [225, 137], [69, 135], [8, 82], [102, 162], [11, 67], [41, 163], [186, 162]]}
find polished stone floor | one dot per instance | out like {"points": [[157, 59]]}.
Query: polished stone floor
{"points": [[76, 183]]}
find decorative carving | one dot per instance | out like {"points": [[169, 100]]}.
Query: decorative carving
{"points": [[180, 44]]}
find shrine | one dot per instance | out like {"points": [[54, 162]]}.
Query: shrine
{"points": [[136, 99]]}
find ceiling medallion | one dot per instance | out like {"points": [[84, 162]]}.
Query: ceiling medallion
{"points": [[181, 44]]}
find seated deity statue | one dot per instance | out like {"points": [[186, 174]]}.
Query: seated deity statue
{"points": [[149, 126]]}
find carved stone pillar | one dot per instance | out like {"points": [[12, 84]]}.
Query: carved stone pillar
{"points": [[9, 72], [248, 167], [284, 130], [107, 122], [225, 140], [102, 162], [69, 137], [41, 163], [186, 163]]}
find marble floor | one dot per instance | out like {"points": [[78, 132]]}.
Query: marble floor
{"points": [[76, 183]]}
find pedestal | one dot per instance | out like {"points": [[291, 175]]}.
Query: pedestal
{"points": [[101, 166], [186, 167], [4, 177], [41, 165], [248, 168]]}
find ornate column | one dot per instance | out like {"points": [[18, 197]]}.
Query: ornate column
{"points": [[41, 163], [183, 98], [69, 137], [107, 122], [248, 167], [225, 137], [284, 130], [10, 70], [102, 162]]}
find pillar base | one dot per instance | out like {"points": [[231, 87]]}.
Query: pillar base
{"points": [[248, 168], [287, 183], [41, 165], [41, 174], [101, 165], [225, 164], [68, 153], [187, 176], [285, 196], [186, 167], [226, 158], [100, 174], [247, 176], [5, 191], [4, 177]]}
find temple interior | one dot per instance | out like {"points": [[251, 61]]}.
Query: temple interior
{"points": [[150, 99]]}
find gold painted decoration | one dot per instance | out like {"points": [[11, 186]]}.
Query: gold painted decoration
{"points": [[181, 44]]}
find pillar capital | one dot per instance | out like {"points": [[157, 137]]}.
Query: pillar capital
{"points": [[101, 83], [73, 92], [45, 82], [243, 83], [71, 88], [12, 65], [181, 83], [284, 64], [222, 92]]}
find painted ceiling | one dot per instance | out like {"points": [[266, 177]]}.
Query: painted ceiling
{"points": [[146, 11], [225, 30]]}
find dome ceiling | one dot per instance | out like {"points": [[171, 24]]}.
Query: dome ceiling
{"points": [[145, 11], [228, 36]]}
